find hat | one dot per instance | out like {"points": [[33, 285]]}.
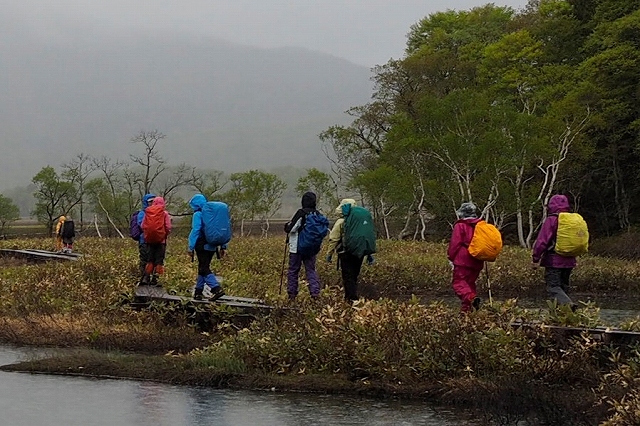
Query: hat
{"points": [[467, 210]]}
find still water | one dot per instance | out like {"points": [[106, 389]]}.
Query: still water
{"points": [[34, 400]]}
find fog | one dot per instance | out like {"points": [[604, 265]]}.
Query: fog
{"points": [[234, 85]]}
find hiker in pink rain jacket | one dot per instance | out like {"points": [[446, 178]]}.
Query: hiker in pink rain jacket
{"points": [[466, 268], [557, 268]]}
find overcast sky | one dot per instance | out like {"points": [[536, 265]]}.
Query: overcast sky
{"points": [[367, 32]]}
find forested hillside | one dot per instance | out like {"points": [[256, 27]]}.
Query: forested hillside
{"points": [[504, 109]]}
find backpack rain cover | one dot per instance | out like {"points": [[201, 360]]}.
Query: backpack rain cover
{"points": [[572, 238], [486, 243], [315, 228], [153, 225], [216, 223], [359, 234], [134, 229]]}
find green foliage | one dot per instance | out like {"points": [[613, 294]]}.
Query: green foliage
{"points": [[55, 196], [9, 212], [254, 194], [322, 185]]}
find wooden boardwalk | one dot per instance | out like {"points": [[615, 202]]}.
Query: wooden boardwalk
{"points": [[39, 255], [606, 335], [145, 295]]}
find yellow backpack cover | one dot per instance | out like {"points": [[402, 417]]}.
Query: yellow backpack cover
{"points": [[486, 243], [572, 238]]}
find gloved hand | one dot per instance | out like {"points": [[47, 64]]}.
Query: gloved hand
{"points": [[328, 258], [370, 260]]}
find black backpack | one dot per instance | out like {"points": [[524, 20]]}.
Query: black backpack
{"points": [[68, 229]]}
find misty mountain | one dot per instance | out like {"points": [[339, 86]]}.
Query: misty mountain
{"points": [[221, 105]]}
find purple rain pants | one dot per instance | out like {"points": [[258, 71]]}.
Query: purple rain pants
{"points": [[295, 263]]}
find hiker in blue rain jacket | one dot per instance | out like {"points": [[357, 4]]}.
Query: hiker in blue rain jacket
{"points": [[203, 251], [143, 249]]}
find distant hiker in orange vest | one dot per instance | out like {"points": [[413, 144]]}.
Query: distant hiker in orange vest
{"points": [[466, 268], [156, 226], [59, 244]]}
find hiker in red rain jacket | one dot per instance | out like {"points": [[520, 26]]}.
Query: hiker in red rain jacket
{"points": [[156, 226], [466, 268], [557, 269]]}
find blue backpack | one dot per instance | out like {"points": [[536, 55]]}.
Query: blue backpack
{"points": [[134, 229], [316, 227], [216, 223]]}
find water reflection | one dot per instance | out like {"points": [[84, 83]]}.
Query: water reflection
{"points": [[34, 399]]}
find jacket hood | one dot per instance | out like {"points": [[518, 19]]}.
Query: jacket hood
{"points": [[197, 202], [147, 199], [558, 203], [345, 206], [159, 201], [309, 200]]}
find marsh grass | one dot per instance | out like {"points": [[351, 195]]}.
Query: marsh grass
{"points": [[392, 346]]}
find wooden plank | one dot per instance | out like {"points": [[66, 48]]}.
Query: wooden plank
{"points": [[72, 254], [608, 335], [160, 294], [40, 255]]}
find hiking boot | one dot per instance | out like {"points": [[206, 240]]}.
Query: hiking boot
{"points": [[197, 295], [476, 303], [216, 293]]}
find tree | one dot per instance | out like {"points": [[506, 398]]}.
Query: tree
{"points": [[150, 161], [254, 194], [9, 212], [78, 171], [54, 196], [322, 184]]}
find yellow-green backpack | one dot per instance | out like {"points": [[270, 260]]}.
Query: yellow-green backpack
{"points": [[572, 238]]}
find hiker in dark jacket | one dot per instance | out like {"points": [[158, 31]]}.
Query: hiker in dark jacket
{"points": [[143, 249], [296, 260], [203, 251], [466, 268], [68, 234], [557, 268]]}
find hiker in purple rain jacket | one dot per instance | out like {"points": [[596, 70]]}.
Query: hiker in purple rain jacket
{"points": [[557, 268]]}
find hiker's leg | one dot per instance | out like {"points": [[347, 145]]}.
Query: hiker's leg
{"points": [[143, 252], [350, 266], [463, 286], [158, 262], [312, 276], [553, 279], [204, 261], [295, 262]]}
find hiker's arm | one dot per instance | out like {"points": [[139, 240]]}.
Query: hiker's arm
{"points": [[288, 227], [545, 238], [335, 236], [167, 222], [196, 226], [457, 241]]}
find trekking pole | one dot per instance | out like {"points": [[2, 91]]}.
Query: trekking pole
{"points": [[486, 269], [284, 258]]}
